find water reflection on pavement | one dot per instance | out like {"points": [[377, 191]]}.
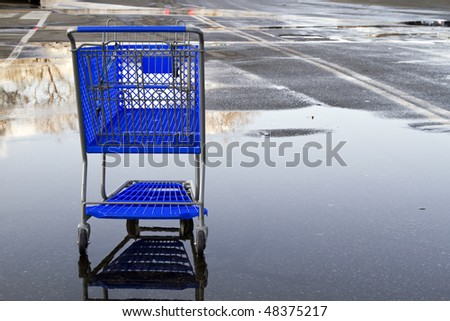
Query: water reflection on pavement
{"points": [[138, 267]]}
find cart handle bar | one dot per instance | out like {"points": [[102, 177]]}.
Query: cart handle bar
{"points": [[131, 29], [107, 29]]}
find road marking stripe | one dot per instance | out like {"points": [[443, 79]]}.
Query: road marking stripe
{"points": [[34, 15], [18, 49], [6, 15], [398, 96]]}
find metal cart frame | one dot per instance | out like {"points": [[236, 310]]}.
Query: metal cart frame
{"points": [[132, 85]]}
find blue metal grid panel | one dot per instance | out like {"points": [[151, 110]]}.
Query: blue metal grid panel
{"points": [[147, 192], [140, 98]]}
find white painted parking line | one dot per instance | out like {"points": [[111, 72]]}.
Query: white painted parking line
{"points": [[35, 15], [43, 15], [5, 15]]}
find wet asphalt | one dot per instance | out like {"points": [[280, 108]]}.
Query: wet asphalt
{"points": [[375, 228]]}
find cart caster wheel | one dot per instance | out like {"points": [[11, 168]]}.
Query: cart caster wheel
{"points": [[186, 228], [83, 241], [200, 243], [133, 228]]}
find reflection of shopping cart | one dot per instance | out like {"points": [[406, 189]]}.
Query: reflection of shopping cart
{"points": [[141, 90], [147, 263]]}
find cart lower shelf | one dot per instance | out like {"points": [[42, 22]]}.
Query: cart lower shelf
{"points": [[148, 191]]}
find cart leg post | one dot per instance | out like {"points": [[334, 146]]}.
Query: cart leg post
{"points": [[103, 181], [201, 230], [84, 229], [197, 177]]}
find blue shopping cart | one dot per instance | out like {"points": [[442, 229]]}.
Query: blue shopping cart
{"points": [[140, 89]]}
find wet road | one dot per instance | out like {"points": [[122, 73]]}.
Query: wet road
{"points": [[376, 229]]}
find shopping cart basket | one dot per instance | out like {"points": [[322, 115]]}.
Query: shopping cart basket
{"points": [[140, 89]]}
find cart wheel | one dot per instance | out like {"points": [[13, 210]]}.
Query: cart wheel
{"points": [[133, 228], [82, 241], [200, 243], [186, 228]]}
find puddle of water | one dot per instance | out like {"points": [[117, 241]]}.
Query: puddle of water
{"points": [[367, 212], [311, 233], [37, 96]]}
